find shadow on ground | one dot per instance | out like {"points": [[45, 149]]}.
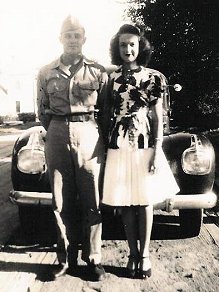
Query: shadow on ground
{"points": [[165, 227]]}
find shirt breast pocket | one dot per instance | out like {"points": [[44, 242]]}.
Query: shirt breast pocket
{"points": [[86, 91], [57, 91], [54, 87]]}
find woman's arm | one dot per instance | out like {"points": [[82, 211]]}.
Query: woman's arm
{"points": [[157, 127], [157, 123]]}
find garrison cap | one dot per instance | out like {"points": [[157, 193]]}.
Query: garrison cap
{"points": [[71, 23]]}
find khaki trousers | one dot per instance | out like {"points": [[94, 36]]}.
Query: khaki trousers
{"points": [[75, 158]]}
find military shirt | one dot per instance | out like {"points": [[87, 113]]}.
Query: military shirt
{"points": [[59, 92]]}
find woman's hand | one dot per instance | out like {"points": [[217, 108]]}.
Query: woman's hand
{"points": [[155, 162]]}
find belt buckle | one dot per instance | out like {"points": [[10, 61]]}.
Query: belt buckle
{"points": [[74, 118], [81, 118]]}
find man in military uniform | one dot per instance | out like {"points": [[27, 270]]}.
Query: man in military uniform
{"points": [[69, 91]]}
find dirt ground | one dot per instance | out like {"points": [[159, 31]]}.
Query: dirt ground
{"points": [[178, 264]]}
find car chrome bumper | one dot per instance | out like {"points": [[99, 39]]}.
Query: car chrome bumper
{"points": [[30, 198], [188, 201]]}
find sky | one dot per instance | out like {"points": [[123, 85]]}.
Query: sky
{"points": [[29, 30]]}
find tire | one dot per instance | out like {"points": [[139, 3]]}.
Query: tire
{"points": [[190, 222], [37, 224]]}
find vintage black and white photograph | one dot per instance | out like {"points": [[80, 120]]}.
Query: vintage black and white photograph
{"points": [[109, 146]]}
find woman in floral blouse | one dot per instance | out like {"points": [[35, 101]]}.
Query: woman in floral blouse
{"points": [[133, 179]]}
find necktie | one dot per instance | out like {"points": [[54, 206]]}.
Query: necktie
{"points": [[72, 69]]}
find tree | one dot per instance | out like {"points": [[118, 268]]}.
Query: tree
{"points": [[185, 36]]}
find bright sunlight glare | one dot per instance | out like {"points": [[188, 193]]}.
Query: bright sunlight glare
{"points": [[30, 30]]}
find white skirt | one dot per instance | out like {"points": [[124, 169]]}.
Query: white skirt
{"points": [[127, 180]]}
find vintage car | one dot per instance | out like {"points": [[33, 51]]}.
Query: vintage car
{"points": [[190, 156]]}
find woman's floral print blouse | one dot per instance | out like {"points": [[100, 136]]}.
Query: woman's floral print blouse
{"points": [[133, 94]]}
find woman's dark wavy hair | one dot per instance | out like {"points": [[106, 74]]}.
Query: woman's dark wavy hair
{"points": [[145, 48]]}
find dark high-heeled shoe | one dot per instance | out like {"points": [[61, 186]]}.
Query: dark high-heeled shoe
{"points": [[144, 268], [132, 266]]}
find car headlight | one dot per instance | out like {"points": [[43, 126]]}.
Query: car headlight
{"points": [[197, 160], [31, 158]]}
